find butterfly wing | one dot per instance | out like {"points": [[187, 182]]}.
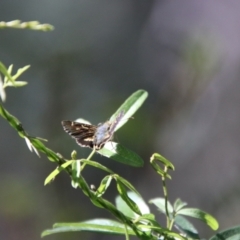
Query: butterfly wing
{"points": [[114, 124], [104, 131], [101, 135], [82, 133]]}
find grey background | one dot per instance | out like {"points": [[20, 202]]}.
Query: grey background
{"points": [[185, 53]]}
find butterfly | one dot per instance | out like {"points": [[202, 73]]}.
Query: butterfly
{"points": [[92, 136]]}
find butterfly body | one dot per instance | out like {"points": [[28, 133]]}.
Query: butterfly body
{"points": [[102, 134], [87, 135]]}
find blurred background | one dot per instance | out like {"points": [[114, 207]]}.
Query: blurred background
{"points": [[185, 53]]}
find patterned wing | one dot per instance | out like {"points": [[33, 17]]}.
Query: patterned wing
{"points": [[104, 132], [115, 122], [82, 133], [101, 135]]}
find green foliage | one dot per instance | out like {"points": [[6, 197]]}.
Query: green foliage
{"points": [[32, 25], [9, 79], [130, 210]]}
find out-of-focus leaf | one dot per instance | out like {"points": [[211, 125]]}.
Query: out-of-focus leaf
{"points": [[179, 204], [160, 204], [121, 154], [16, 84], [182, 224], [2, 90], [131, 204], [5, 72], [127, 184], [199, 214], [33, 25], [20, 71], [228, 234], [122, 206], [95, 225]]}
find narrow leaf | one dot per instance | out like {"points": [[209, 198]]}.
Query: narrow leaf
{"points": [[16, 84], [161, 233], [127, 184], [20, 71], [163, 160], [5, 72], [184, 226], [97, 165], [95, 225], [160, 204], [130, 106], [123, 193], [159, 170], [179, 204], [30, 146], [76, 171], [103, 186], [122, 206], [2, 90], [203, 216], [54, 173], [228, 234]]}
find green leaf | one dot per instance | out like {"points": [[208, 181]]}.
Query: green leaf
{"points": [[203, 216], [103, 186], [5, 72], [95, 225], [182, 224], [159, 170], [122, 206], [54, 173], [2, 90], [127, 184], [160, 204], [228, 234], [146, 220], [13, 121], [139, 201], [160, 233], [163, 160], [20, 71], [130, 106], [10, 68], [16, 84], [123, 193], [179, 204], [31, 147], [76, 171], [33, 25], [121, 154], [148, 217], [52, 156], [155, 160], [97, 165]]}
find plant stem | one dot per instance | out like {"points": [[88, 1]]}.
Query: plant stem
{"points": [[88, 158], [165, 193]]}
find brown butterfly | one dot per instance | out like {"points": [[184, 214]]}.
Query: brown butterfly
{"points": [[92, 136]]}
